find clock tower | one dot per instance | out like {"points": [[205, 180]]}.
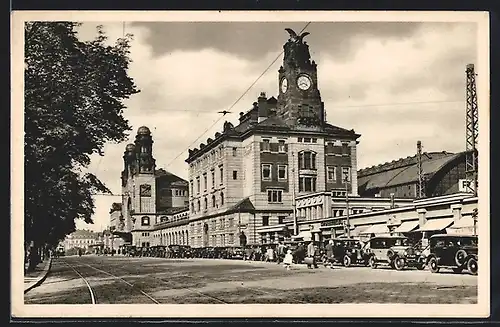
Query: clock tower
{"points": [[299, 100]]}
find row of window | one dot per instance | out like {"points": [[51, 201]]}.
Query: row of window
{"points": [[267, 174], [265, 220], [213, 179], [266, 146], [307, 140], [144, 234], [180, 192], [331, 173], [197, 208], [222, 237]]}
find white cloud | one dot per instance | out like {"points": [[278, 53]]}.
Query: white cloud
{"points": [[183, 90]]}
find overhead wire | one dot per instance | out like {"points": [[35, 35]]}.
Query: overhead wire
{"points": [[220, 118]]}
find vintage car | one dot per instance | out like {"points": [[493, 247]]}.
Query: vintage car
{"points": [[346, 251], [395, 251], [457, 252]]}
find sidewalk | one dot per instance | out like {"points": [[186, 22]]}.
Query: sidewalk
{"points": [[36, 277]]}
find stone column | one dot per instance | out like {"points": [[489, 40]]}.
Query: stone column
{"points": [[457, 211]]}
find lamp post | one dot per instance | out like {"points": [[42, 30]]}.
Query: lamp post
{"points": [[474, 217], [294, 214]]}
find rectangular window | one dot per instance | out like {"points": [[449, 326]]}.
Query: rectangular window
{"points": [[282, 172], [198, 185], [235, 151], [265, 220], [266, 146], [213, 178], [307, 140], [281, 219], [307, 184], [274, 196], [281, 146], [192, 187], [235, 174], [299, 139], [346, 174], [231, 222], [266, 172], [221, 175], [330, 173], [205, 181], [314, 140], [231, 238]]}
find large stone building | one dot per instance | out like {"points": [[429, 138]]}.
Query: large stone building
{"points": [[148, 194], [247, 175]]}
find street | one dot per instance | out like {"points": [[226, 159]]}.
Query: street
{"points": [[148, 280]]}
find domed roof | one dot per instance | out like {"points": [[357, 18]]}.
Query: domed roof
{"points": [[130, 147], [143, 130]]}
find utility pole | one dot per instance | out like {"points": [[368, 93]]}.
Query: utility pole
{"points": [[472, 130], [420, 186]]}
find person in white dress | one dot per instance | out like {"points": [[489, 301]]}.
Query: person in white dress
{"points": [[287, 261]]}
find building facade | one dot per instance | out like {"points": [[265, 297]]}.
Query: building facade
{"points": [[148, 194], [82, 239], [247, 175]]}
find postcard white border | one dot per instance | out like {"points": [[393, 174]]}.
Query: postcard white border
{"points": [[19, 309]]}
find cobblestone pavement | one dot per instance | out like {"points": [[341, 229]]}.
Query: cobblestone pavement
{"points": [[158, 280]]}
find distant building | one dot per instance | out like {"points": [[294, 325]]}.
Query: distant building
{"points": [[443, 174], [82, 238]]}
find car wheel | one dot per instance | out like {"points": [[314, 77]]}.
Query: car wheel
{"points": [[399, 263], [433, 265], [347, 261], [460, 257], [373, 262], [420, 266], [472, 266]]}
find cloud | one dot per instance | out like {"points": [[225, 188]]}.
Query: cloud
{"points": [[394, 83]]}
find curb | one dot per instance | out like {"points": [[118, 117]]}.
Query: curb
{"points": [[41, 278]]}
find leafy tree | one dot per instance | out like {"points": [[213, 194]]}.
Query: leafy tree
{"points": [[74, 92]]}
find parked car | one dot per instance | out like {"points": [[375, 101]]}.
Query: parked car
{"points": [[456, 252], [395, 251], [347, 251]]}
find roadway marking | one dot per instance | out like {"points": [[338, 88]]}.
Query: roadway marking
{"points": [[85, 280]]}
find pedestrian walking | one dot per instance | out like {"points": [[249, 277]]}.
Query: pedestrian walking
{"points": [[288, 259], [281, 252], [329, 253], [311, 258]]}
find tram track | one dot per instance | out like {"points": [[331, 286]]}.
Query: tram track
{"points": [[94, 298], [217, 299]]}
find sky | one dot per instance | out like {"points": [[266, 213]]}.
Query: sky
{"points": [[393, 83]]}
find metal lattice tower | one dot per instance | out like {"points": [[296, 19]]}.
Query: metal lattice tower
{"points": [[421, 181], [472, 130]]}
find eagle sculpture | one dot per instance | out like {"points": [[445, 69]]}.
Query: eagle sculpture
{"points": [[294, 37]]}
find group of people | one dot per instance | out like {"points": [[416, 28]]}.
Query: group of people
{"points": [[286, 254]]}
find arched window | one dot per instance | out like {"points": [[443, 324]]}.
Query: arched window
{"points": [[221, 198], [206, 203], [213, 201], [199, 205], [192, 207]]}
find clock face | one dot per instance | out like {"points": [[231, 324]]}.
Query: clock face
{"points": [[284, 85], [304, 82]]}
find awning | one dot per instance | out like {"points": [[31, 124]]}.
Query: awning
{"points": [[376, 229], [358, 230], [464, 222], [407, 226], [436, 224], [306, 235]]}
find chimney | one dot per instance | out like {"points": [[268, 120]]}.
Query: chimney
{"points": [[263, 110]]}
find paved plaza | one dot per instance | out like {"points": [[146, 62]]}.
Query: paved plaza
{"points": [[146, 280]]}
